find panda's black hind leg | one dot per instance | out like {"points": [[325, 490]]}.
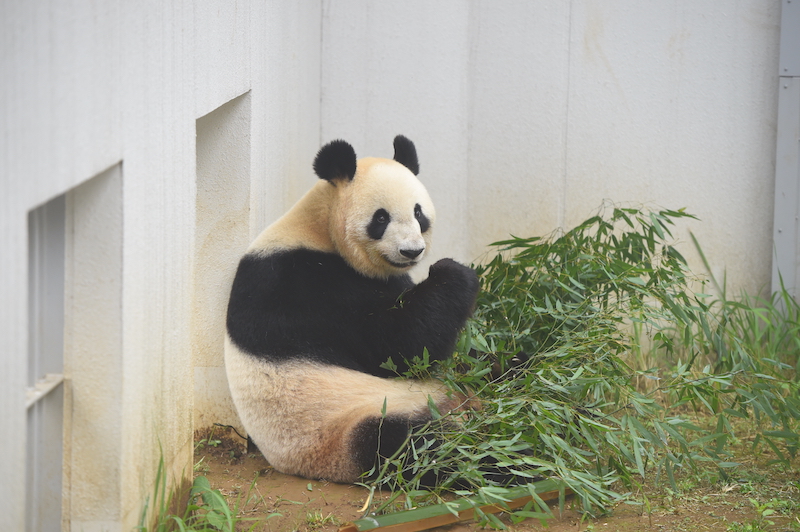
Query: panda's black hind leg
{"points": [[377, 440]]}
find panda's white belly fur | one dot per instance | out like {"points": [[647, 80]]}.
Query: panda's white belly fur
{"points": [[300, 414]]}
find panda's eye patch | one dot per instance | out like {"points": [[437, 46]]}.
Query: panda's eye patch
{"points": [[377, 226], [424, 223]]}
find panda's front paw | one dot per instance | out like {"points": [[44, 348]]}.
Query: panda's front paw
{"points": [[450, 272]]}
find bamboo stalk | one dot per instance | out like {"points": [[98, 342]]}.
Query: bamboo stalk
{"points": [[438, 515]]}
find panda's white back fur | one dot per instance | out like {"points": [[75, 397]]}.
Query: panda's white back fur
{"points": [[308, 412]]}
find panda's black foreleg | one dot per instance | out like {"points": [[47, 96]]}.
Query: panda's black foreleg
{"points": [[438, 307], [453, 285]]}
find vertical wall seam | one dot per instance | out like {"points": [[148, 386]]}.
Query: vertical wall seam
{"points": [[562, 208], [323, 7], [473, 40]]}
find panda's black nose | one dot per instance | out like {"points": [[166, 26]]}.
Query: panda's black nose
{"points": [[411, 253]]}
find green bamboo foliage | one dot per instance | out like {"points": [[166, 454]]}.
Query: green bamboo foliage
{"points": [[552, 354]]}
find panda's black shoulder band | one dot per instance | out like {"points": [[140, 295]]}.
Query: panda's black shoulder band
{"points": [[335, 160], [406, 154]]}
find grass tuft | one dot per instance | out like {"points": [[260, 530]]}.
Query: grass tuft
{"points": [[207, 510]]}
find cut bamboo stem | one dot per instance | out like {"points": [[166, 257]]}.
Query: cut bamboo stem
{"points": [[438, 515]]}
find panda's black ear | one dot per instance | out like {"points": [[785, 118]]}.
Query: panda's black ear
{"points": [[406, 154], [335, 160]]}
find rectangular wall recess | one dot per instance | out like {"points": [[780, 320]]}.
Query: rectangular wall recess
{"points": [[93, 384], [221, 237]]}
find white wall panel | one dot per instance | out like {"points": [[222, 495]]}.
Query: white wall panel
{"points": [[88, 84], [390, 68], [552, 108], [674, 105], [158, 190], [519, 81], [222, 44], [59, 125], [286, 103]]}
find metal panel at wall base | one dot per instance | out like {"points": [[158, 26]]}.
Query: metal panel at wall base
{"points": [[45, 399], [790, 38], [43, 496], [786, 232], [786, 228]]}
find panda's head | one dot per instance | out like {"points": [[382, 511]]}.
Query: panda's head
{"points": [[381, 217]]}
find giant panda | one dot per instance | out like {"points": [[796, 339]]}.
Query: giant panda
{"points": [[322, 298]]}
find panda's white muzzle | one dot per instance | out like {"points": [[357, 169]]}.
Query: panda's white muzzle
{"points": [[407, 254]]}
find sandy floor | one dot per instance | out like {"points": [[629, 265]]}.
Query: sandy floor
{"points": [[277, 503]]}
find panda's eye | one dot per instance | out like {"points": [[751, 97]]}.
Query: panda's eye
{"points": [[377, 226], [424, 223]]}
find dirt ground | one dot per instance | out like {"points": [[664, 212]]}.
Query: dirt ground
{"points": [[275, 502]]}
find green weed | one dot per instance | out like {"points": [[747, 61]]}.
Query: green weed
{"points": [[207, 441], [316, 519], [761, 522], [207, 509]]}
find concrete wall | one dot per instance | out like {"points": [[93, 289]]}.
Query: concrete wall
{"points": [[87, 86], [526, 116], [529, 114], [222, 235]]}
